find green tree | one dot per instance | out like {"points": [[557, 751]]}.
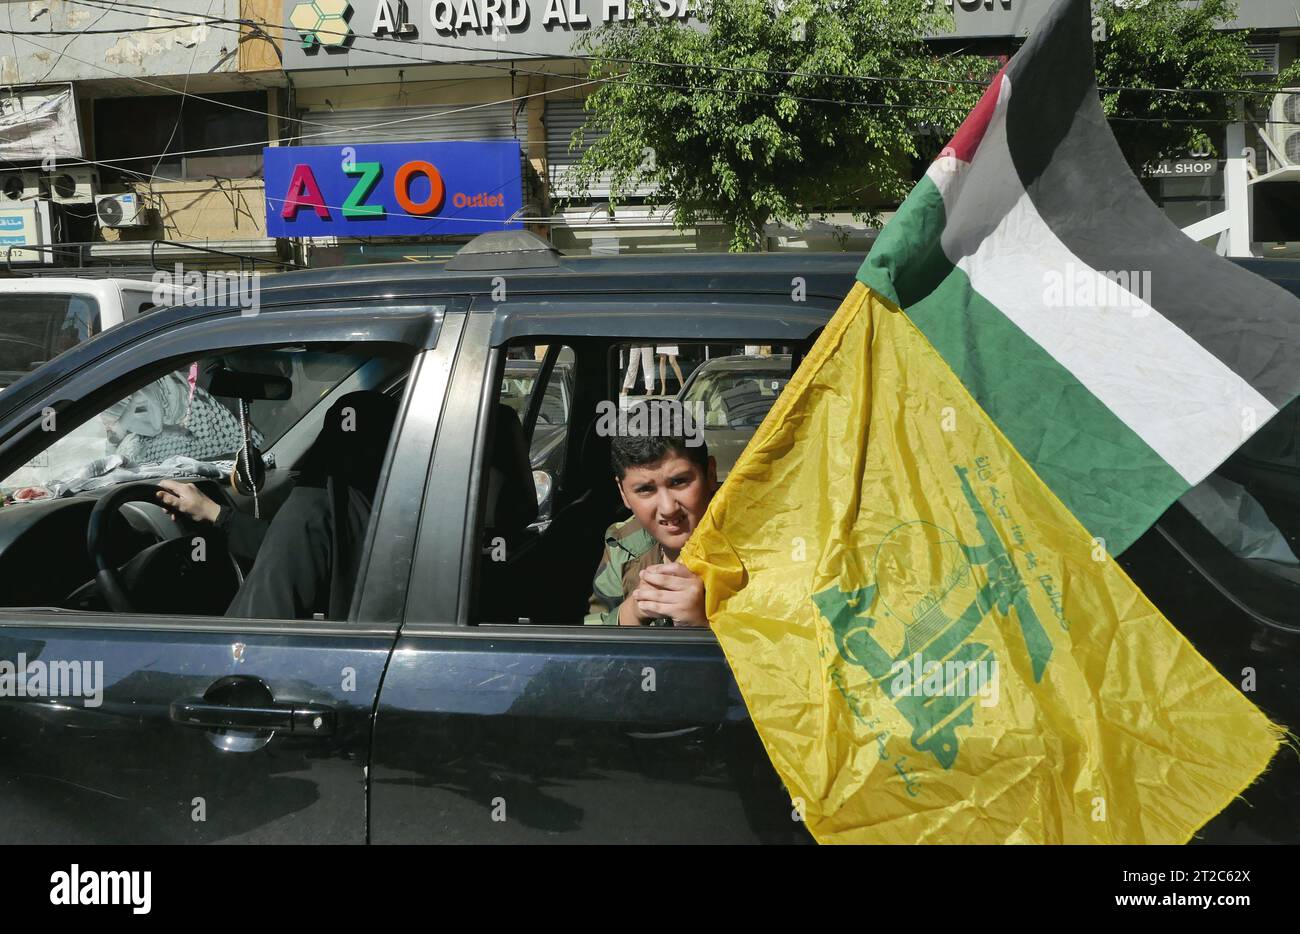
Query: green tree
{"points": [[775, 110], [1173, 45]]}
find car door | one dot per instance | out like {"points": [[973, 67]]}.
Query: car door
{"points": [[212, 729], [567, 733]]}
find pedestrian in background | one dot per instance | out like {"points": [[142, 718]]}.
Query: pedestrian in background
{"points": [[668, 354], [645, 354]]}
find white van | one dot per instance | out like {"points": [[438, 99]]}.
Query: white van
{"points": [[42, 317]]}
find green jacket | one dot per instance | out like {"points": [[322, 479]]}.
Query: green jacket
{"points": [[629, 549]]}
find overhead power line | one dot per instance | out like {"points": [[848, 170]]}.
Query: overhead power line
{"points": [[290, 30], [514, 99]]}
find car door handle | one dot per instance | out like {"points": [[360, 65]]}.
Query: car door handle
{"points": [[302, 719], [666, 734]]}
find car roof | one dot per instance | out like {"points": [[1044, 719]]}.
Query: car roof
{"points": [[1281, 272], [778, 297], [827, 274], [747, 362], [530, 365], [71, 285]]}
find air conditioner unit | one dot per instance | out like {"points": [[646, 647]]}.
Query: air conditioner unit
{"points": [[19, 186], [1284, 127], [123, 210], [73, 185]]}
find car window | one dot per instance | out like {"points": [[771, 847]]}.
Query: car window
{"points": [[542, 567], [523, 366], [35, 328], [738, 398], [555, 401], [175, 422], [546, 446], [170, 418], [313, 374], [286, 544]]}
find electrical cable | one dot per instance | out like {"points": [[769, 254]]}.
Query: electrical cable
{"points": [[611, 79], [49, 71], [180, 109], [289, 29], [380, 126], [919, 107]]}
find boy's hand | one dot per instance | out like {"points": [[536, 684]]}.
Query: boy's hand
{"points": [[670, 590]]}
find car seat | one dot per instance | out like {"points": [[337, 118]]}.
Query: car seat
{"points": [[506, 586], [511, 493], [574, 541]]}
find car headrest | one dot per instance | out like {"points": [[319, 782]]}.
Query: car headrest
{"points": [[512, 495], [353, 439]]}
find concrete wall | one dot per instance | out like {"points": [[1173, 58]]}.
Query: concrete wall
{"points": [[136, 51], [199, 210]]}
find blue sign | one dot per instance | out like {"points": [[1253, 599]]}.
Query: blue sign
{"points": [[392, 189], [19, 225]]}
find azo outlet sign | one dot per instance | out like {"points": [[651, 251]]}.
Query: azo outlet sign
{"points": [[392, 189]]}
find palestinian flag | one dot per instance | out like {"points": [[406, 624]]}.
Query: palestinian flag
{"points": [[1124, 361], [910, 566]]}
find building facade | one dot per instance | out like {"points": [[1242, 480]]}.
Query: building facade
{"points": [[355, 74], [162, 115]]}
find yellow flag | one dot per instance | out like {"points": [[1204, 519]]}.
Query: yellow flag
{"points": [[931, 646]]}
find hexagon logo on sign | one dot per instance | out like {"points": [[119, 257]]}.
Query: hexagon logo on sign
{"points": [[323, 23]]}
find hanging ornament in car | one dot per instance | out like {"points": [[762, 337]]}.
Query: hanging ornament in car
{"points": [[249, 474]]}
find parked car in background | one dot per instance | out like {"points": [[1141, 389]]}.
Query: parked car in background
{"points": [[42, 317], [733, 395], [546, 448]]}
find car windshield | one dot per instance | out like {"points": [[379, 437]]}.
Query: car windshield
{"points": [[35, 328], [173, 426], [736, 398]]}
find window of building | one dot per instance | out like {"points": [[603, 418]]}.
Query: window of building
{"points": [[192, 133]]}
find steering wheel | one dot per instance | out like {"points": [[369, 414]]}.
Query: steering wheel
{"points": [[108, 578]]}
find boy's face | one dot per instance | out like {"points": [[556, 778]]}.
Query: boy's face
{"points": [[669, 496]]}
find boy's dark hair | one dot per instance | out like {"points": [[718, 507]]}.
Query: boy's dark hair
{"points": [[639, 449]]}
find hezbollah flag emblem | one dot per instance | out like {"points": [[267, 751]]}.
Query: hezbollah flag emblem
{"points": [[910, 568]]}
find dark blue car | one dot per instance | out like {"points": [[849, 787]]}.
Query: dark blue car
{"points": [[458, 698]]}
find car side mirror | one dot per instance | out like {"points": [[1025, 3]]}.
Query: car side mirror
{"points": [[251, 386]]}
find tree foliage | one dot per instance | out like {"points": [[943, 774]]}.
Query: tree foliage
{"points": [[775, 111], [1170, 44]]}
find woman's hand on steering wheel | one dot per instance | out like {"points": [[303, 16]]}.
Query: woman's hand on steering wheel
{"points": [[188, 500]]}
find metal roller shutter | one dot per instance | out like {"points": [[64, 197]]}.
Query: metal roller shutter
{"points": [[561, 118], [411, 124], [418, 125]]}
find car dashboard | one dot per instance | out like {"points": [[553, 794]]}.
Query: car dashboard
{"points": [[44, 560]]}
